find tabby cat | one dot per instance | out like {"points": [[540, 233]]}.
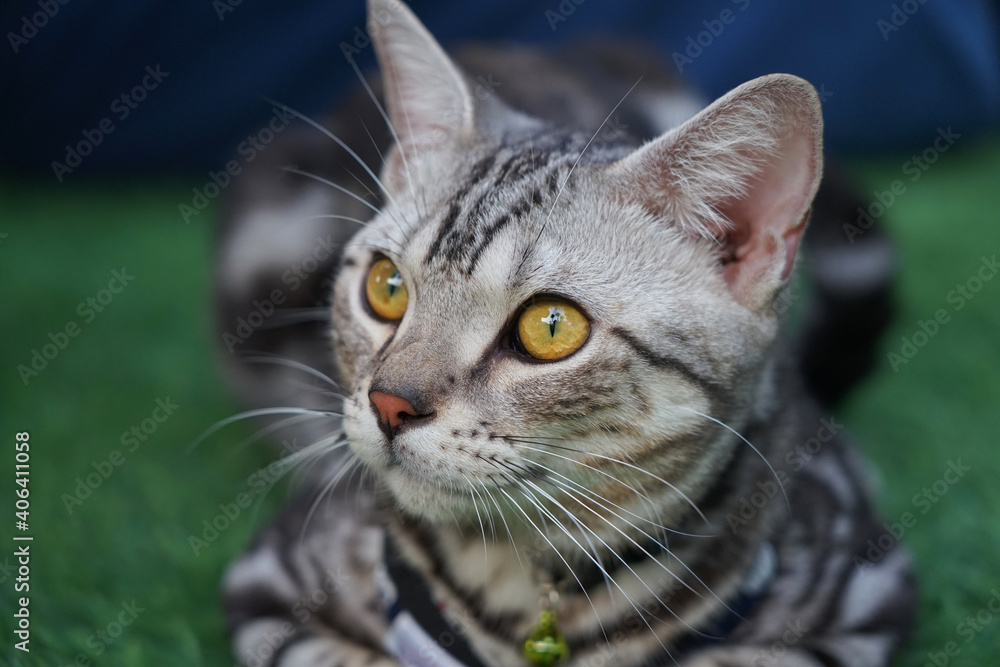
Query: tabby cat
{"points": [[537, 374]]}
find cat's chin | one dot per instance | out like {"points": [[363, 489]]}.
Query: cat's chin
{"points": [[427, 500]]}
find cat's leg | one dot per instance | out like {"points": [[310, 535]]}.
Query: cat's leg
{"points": [[308, 598]]}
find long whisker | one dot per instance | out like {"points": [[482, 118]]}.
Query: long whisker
{"points": [[565, 489], [388, 122], [336, 216], [291, 363], [520, 443], [556, 551], [638, 608], [284, 317], [323, 446], [482, 529], [423, 194], [739, 435], [593, 548], [386, 208], [619, 557], [631, 466], [249, 414], [488, 513], [321, 390], [340, 188], [268, 430], [357, 221], [318, 448], [369, 245], [565, 182], [350, 464], [581, 487], [347, 148], [500, 512]]}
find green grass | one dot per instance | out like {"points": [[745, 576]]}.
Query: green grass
{"points": [[129, 539], [941, 405]]}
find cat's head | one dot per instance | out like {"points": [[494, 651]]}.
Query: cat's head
{"points": [[533, 311]]}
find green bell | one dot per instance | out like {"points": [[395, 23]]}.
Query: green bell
{"points": [[545, 646]]}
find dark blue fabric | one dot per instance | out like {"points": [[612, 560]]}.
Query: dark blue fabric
{"points": [[884, 89]]}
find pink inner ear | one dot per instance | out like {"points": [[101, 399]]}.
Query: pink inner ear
{"points": [[767, 223]]}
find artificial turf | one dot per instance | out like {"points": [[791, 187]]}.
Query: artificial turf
{"points": [[123, 552]]}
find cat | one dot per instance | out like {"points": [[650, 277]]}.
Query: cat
{"points": [[553, 408]]}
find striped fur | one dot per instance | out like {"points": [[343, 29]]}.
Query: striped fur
{"points": [[642, 473]]}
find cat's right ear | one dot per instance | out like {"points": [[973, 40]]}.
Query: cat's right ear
{"points": [[429, 104]]}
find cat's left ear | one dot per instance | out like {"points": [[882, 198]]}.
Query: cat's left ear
{"points": [[743, 171], [428, 101]]}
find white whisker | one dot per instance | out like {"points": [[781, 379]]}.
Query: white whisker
{"points": [[388, 122], [249, 414], [354, 155], [739, 435], [631, 466]]}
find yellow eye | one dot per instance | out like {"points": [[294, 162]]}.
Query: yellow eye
{"points": [[386, 291], [551, 329]]}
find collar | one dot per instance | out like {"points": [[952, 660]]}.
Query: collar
{"points": [[420, 635]]}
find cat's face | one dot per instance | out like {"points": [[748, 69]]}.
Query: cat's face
{"points": [[643, 288], [493, 214]]}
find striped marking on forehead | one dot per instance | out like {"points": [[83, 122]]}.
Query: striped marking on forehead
{"points": [[473, 219]]}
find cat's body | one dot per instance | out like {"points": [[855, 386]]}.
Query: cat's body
{"points": [[651, 475]]}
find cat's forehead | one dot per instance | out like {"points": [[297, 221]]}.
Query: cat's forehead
{"points": [[454, 212]]}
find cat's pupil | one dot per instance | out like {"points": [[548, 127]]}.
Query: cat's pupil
{"points": [[394, 282], [555, 315]]}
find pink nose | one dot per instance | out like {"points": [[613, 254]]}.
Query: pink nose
{"points": [[392, 410]]}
